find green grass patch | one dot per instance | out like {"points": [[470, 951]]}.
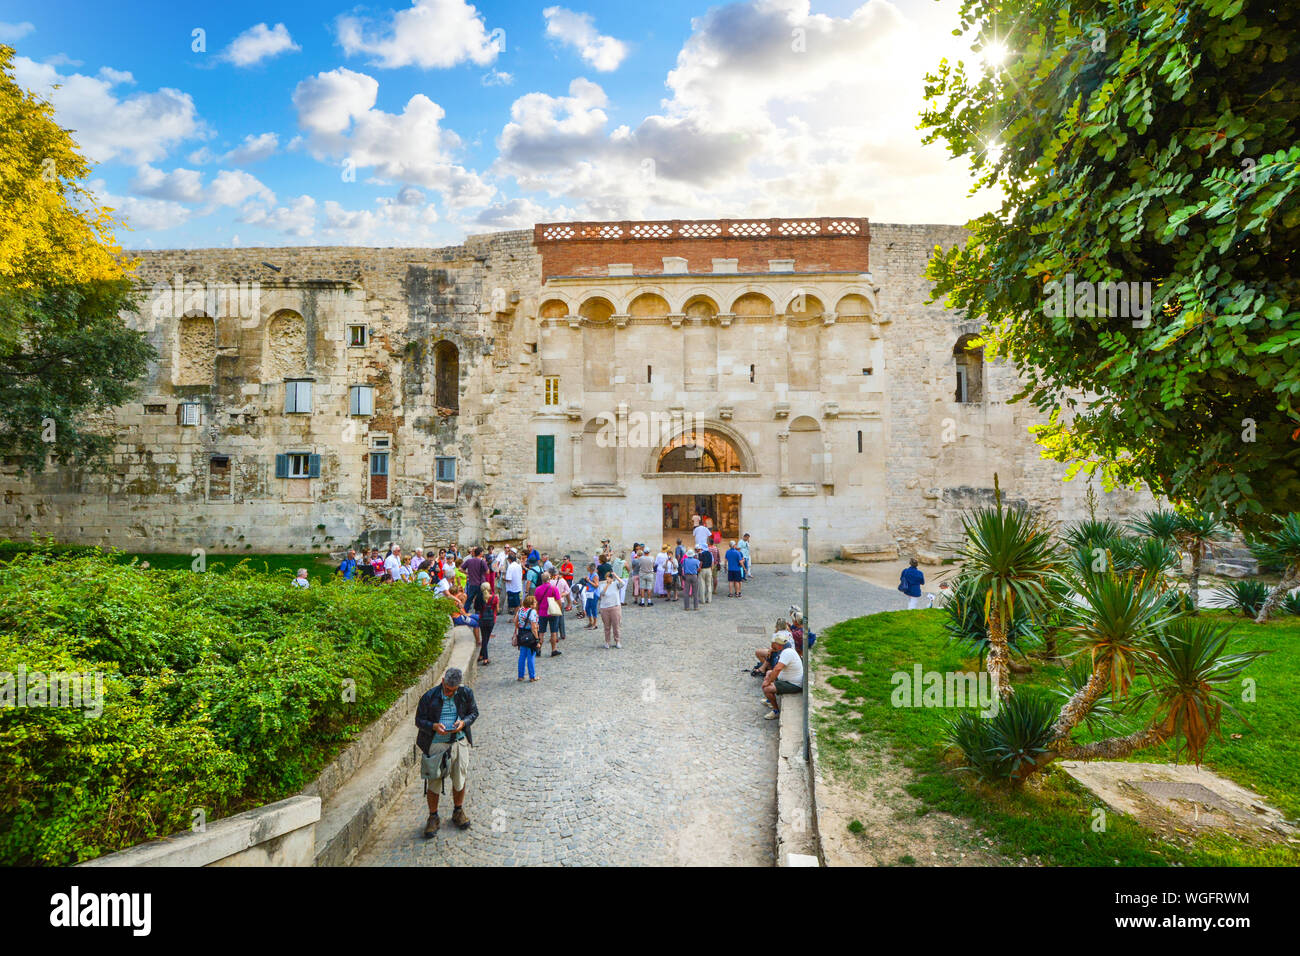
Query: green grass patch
{"points": [[1053, 819], [221, 691]]}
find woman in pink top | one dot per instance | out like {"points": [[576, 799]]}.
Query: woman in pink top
{"points": [[550, 615]]}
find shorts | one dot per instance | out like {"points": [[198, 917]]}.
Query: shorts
{"points": [[457, 768], [551, 623], [513, 598], [734, 576], [647, 582], [785, 687]]}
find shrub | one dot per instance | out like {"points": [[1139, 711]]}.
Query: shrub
{"points": [[1007, 745], [1246, 595], [221, 691]]}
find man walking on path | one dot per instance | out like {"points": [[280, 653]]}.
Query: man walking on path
{"points": [[690, 582], [909, 582], [735, 569], [514, 583], [702, 536], [476, 571], [744, 551], [444, 716]]}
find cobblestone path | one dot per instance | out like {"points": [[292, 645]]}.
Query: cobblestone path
{"points": [[656, 754]]}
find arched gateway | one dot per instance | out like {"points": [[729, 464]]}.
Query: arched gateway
{"points": [[695, 457]]}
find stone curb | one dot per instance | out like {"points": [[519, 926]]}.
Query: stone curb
{"points": [[390, 765], [797, 839]]}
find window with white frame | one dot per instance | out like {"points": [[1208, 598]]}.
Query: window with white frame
{"points": [[297, 397], [189, 413], [361, 400], [552, 390], [445, 469], [358, 336]]}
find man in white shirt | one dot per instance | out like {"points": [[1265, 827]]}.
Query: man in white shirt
{"points": [[785, 678], [702, 537], [393, 563], [514, 583]]}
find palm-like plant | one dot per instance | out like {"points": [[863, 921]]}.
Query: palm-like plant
{"points": [[1193, 534], [1247, 596], [1010, 745], [1092, 533], [1279, 546], [1112, 627], [1159, 524], [1009, 556], [966, 625], [1152, 559], [1291, 603]]}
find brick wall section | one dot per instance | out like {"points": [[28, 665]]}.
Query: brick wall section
{"points": [[831, 250]]}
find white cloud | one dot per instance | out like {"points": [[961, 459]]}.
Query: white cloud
{"points": [[61, 59], [259, 43], [497, 78], [253, 149], [179, 185], [10, 32], [578, 30], [431, 34], [336, 109], [297, 219], [140, 214], [772, 110], [139, 127], [232, 187], [519, 213]]}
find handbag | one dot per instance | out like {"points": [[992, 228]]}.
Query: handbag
{"points": [[553, 606]]}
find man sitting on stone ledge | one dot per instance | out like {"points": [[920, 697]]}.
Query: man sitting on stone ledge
{"points": [[444, 716], [786, 677]]}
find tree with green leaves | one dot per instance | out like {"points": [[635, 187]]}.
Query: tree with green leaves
{"points": [[1141, 270], [65, 355]]}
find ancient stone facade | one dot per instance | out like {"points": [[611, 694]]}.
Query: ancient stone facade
{"points": [[575, 382]]}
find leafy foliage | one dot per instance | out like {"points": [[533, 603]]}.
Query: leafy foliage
{"points": [[1246, 595], [1009, 744], [221, 691], [1152, 143]]}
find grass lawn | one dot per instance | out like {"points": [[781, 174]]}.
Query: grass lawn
{"points": [[1052, 819]]}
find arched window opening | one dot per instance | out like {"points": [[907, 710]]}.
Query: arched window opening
{"points": [[970, 371], [599, 452], [446, 377], [705, 451]]}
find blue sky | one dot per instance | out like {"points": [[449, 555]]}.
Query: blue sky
{"points": [[416, 123]]}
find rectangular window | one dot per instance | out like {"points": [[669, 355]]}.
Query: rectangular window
{"points": [[361, 400], [379, 462], [297, 397], [189, 413], [379, 474], [358, 336], [751, 373], [552, 390], [380, 441], [961, 385], [546, 454], [155, 409], [649, 375], [219, 478], [445, 469], [859, 443], [298, 465]]}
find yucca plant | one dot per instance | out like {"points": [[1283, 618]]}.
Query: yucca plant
{"points": [[1291, 603], [966, 625], [1280, 546], [1247, 595], [1159, 524], [1153, 559], [1111, 628], [1193, 533], [1072, 679], [1009, 556], [1091, 533], [1193, 674], [1011, 744]]}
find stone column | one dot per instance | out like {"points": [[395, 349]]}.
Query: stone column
{"points": [[575, 456], [783, 458], [620, 450]]}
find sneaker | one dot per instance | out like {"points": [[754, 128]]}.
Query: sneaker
{"points": [[431, 825], [772, 715], [555, 653], [618, 647], [460, 818]]}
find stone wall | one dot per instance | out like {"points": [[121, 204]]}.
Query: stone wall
{"points": [[834, 383]]}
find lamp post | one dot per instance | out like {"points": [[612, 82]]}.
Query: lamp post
{"points": [[807, 631]]}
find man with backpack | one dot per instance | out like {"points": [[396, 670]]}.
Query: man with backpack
{"points": [[444, 716]]}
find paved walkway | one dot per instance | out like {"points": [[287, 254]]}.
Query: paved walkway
{"points": [[656, 754]]}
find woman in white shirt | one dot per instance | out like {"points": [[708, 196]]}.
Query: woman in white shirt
{"points": [[611, 607]]}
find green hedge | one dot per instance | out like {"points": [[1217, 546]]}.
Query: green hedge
{"points": [[221, 692]]}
